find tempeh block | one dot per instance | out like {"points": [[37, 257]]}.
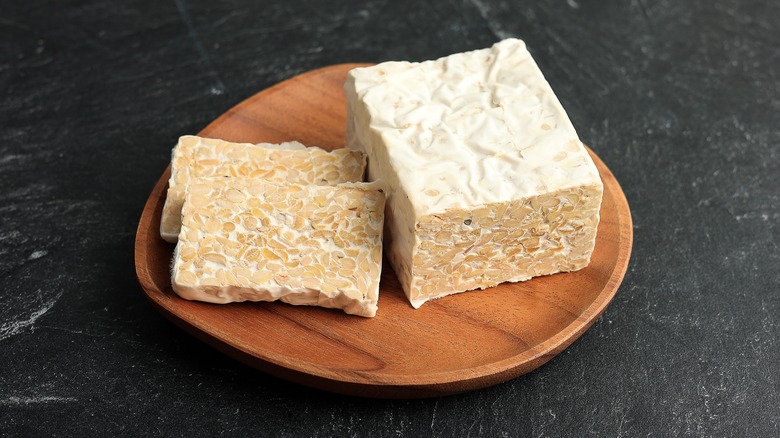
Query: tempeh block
{"points": [[292, 162], [485, 177], [253, 240]]}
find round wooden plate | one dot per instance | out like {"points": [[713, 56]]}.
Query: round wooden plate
{"points": [[455, 344]]}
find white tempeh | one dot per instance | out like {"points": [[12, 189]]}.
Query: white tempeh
{"points": [[485, 176], [195, 157], [253, 240]]}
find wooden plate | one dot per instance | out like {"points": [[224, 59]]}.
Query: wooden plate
{"points": [[455, 344]]}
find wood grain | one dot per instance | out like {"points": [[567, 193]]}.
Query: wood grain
{"points": [[456, 344]]}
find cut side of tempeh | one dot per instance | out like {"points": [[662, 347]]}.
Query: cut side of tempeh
{"points": [[254, 240], [195, 157]]}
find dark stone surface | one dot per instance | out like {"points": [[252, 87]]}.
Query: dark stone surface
{"points": [[680, 99]]}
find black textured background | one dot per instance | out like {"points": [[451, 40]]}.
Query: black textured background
{"points": [[679, 98]]}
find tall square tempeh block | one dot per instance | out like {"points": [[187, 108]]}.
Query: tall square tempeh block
{"points": [[195, 157], [253, 240], [485, 177]]}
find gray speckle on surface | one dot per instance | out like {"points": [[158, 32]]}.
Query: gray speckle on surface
{"points": [[680, 99]]}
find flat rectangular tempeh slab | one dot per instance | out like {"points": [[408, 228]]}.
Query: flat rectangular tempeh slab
{"points": [[253, 240], [292, 162]]}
